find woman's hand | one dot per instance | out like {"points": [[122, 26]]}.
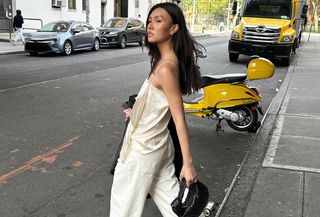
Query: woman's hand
{"points": [[127, 113], [189, 174]]}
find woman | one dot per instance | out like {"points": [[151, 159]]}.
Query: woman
{"points": [[146, 159]]}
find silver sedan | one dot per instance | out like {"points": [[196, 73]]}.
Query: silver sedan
{"points": [[63, 37]]}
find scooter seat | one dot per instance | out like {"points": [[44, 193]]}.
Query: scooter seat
{"points": [[207, 80]]}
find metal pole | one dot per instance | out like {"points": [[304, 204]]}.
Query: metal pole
{"points": [[87, 11], [193, 15], [9, 28]]}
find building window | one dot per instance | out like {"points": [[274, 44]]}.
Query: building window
{"points": [[72, 4], [84, 5]]}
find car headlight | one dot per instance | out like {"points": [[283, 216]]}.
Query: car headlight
{"points": [[113, 33], [48, 41], [234, 35], [287, 38]]}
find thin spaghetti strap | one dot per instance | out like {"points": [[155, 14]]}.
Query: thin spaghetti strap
{"points": [[157, 69]]}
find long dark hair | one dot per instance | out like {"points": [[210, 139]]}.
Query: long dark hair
{"points": [[185, 47]]}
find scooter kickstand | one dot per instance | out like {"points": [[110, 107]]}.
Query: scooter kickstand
{"points": [[219, 128]]}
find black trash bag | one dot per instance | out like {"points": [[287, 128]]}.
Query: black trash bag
{"points": [[194, 202]]}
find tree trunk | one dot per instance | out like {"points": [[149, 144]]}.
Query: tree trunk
{"points": [[316, 28], [315, 15]]}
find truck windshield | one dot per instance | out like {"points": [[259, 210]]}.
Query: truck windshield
{"points": [[267, 10]]}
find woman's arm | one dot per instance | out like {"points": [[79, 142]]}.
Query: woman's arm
{"points": [[167, 79]]}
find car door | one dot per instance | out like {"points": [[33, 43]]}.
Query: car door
{"points": [[137, 30], [88, 35], [77, 37], [130, 31]]}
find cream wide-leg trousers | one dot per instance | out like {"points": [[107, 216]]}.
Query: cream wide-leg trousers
{"points": [[141, 174]]}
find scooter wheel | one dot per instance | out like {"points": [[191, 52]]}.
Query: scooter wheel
{"points": [[248, 118]]}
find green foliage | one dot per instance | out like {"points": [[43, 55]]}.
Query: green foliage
{"points": [[206, 7]]}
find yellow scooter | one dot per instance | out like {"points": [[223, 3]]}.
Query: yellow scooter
{"points": [[229, 97]]}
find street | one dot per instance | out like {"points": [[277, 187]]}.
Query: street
{"points": [[61, 121]]}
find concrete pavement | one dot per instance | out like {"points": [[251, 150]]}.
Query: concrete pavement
{"points": [[284, 179]]}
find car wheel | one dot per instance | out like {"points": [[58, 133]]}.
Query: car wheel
{"points": [[33, 53], [142, 40], [96, 45], [67, 48], [123, 41]]}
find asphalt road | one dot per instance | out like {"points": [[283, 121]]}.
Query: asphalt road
{"points": [[61, 121]]}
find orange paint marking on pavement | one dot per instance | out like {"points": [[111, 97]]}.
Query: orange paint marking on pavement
{"points": [[13, 151], [36, 169], [35, 160], [77, 163], [50, 159]]}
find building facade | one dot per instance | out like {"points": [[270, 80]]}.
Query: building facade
{"points": [[40, 12]]}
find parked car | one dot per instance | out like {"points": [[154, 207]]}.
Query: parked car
{"points": [[63, 37], [120, 31]]}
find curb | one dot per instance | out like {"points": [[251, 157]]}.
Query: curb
{"points": [[4, 40], [11, 52], [238, 195]]}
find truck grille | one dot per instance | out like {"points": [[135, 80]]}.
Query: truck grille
{"points": [[263, 34]]}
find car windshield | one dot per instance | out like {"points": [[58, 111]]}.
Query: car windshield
{"points": [[114, 23], [55, 27], [268, 11]]}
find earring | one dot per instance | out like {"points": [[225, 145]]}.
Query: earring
{"points": [[171, 33]]}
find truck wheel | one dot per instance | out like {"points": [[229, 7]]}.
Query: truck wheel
{"points": [[233, 57]]}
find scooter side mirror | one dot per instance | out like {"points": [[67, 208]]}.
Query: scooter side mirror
{"points": [[260, 68]]}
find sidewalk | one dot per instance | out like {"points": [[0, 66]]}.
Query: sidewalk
{"points": [[6, 47], [288, 181]]}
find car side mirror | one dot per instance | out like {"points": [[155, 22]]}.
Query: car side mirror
{"points": [[74, 31]]}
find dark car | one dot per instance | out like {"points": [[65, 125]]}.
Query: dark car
{"points": [[120, 31], [63, 37]]}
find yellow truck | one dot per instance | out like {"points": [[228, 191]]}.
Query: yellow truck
{"points": [[268, 28]]}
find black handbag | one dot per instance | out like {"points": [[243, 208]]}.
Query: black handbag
{"points": [[192, 204]]}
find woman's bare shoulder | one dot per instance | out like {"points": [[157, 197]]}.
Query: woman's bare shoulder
{"points": [[168, 68]]}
